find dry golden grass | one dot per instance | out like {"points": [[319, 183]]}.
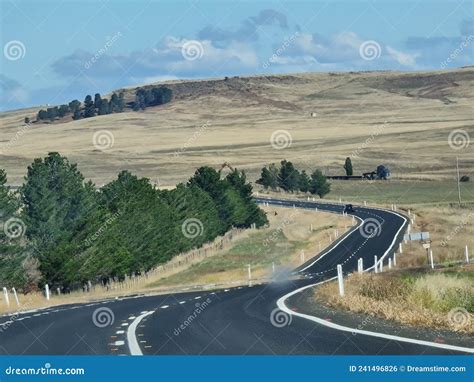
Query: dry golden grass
{"points": [[210, 122], [451, 229], [431, 300], [294, 224]]}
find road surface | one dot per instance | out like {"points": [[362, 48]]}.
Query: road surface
{"points": [[242, 320]]}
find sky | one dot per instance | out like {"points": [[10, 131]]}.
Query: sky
{"points": [[56, 51]]}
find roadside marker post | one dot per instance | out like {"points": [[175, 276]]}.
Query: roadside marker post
{"points": [[431, 259], [389, 263], [302, 257], [360, 265], [16, 297], [273, 267], [250, 274], [466, 254], [394, 259], [400, 249], [5, 295], [46, 289], [340, 279], [381, 265], [375, 265]]}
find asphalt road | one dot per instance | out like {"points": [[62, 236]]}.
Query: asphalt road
{"points": [[243, 320]]}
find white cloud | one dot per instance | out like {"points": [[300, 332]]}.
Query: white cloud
{"points": [[405, 59]]}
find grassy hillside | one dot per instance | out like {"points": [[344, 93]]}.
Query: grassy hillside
{"points": [[401, 119]]}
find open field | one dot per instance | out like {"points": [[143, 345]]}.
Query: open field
{"points": [[281, 243], [399, 119]]}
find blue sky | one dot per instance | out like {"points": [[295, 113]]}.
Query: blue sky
{"points": [[55, 51]]}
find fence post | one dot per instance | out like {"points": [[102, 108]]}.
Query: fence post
{"points": [[466, 254], [16, 297], [431, 259], [360, 265], [46, 289], [375, 265], [340, 279], [5, 295]]}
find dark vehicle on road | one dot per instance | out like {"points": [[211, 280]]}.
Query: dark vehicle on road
{"points": [[348, 208]]}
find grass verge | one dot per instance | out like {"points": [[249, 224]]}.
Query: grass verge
{"points": [[440, 299]]}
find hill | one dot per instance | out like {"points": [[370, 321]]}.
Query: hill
{"points": [[399, 119]]}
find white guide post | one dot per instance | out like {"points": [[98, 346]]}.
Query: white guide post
{"points": [[340, 279], [16, 297], [5, 295], [360, 265]]}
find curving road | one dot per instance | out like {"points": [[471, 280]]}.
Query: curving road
{"points": [[243, 320]]}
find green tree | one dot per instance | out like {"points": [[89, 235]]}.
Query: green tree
{"points": [[13, 256], [97, 100], [288, 177], [74, 105], [63, 110], [77, 114], [269, 177], [304, 182], [348, 167], [104, 107], [319, 184], [57, 204], [52, 113], [89, 109]]}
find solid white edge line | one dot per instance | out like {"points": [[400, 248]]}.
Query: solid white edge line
{"points": [[131, 335], [281, 305]]}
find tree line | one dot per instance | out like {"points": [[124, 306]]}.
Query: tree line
{"points": [[289, 179], [74, 232], [92, 107]]}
